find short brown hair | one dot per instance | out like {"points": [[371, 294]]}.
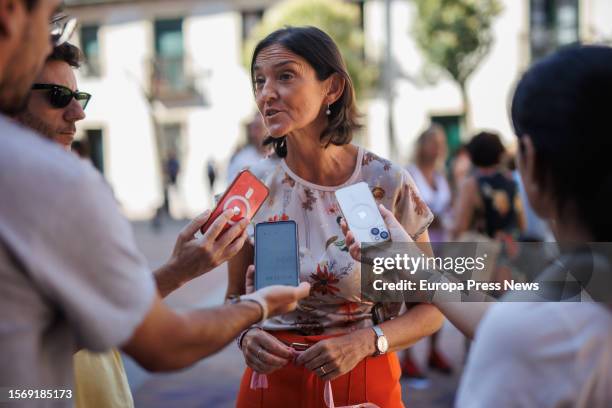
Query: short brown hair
{"points": [[68, 53]]}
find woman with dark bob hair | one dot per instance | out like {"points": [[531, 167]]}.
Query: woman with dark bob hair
{"points": [[306, 97], [545, 353]]}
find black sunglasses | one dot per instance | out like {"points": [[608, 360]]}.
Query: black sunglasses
{"points": [[60, 96]]}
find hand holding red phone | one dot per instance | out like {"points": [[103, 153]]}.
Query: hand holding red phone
{"points": [[243, 198], [193, 256]]}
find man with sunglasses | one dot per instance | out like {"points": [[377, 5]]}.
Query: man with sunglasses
{"points": [[55, 104], [71, 274], [52, 110]]}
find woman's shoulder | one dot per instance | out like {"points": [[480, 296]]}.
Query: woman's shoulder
{"points": [[376, 170]]}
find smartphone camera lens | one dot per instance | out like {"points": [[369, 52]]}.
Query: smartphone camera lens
{"points": [[374, 231]]}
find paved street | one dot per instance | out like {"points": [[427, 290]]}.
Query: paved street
{"points": [[213, 383]]}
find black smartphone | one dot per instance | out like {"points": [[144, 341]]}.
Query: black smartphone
{"points": [[277, 260]]}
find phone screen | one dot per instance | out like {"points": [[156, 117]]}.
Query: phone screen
{"points": [[276, 254]]}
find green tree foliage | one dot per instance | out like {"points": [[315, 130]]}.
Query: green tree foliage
{"points": [[337, 18], [456, 35]]}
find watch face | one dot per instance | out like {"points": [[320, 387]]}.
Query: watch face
{"points": [[382, 345]]}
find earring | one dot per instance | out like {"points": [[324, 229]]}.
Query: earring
{"points": [[328, 111]]}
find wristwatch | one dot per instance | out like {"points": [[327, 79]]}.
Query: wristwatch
{"points": [[382, 345]]}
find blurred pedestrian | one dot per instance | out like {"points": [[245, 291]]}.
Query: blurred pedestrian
{"points": [[488, 201], [254, 152], [211, 177], [428, 172], [172, 168]]}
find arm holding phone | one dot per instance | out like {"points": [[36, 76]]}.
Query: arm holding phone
{"points": [[341, 354], [168, 340], [223, 234], [465, 315]]}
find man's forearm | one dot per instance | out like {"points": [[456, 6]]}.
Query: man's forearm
{"points": [[169, 340], [166, 280], [210, 330]]}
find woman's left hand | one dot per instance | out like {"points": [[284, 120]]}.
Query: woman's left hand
{"points": [[336, 356]]}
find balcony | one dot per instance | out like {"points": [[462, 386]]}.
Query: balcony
{"points": [[175, 83]]}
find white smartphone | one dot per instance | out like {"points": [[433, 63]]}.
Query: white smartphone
{"points": [[361, 213]]}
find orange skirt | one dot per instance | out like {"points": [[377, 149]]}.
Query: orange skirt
{"points": [[374, 380]]}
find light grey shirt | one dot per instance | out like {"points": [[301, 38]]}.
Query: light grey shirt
{"points": [[544, 354], [71, 275]]}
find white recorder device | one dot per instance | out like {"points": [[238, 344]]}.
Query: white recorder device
{"points": [[361, 213]]}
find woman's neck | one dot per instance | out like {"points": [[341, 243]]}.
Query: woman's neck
{"points": [[326, 166]]}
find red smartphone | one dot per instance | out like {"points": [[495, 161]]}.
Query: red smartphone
{"points": [[246, 194]]}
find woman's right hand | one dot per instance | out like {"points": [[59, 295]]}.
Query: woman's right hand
{"points": [[263, 352]]}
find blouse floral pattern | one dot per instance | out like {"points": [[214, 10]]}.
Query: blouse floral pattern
{"points": [[334, 304]]}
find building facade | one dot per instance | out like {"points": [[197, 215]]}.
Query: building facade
{"points": [[168, 82]]}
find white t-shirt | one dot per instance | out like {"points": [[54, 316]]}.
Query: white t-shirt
{"points": [[71, 274], [540, 355], [439, 199]]}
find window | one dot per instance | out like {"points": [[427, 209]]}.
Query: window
{"points": [[169, 62], [250, 19], [553, 23], [90, 47], [452, 128], [95, 144]]}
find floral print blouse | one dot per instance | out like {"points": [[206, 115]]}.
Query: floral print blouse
{"points": [[334, 304]]}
